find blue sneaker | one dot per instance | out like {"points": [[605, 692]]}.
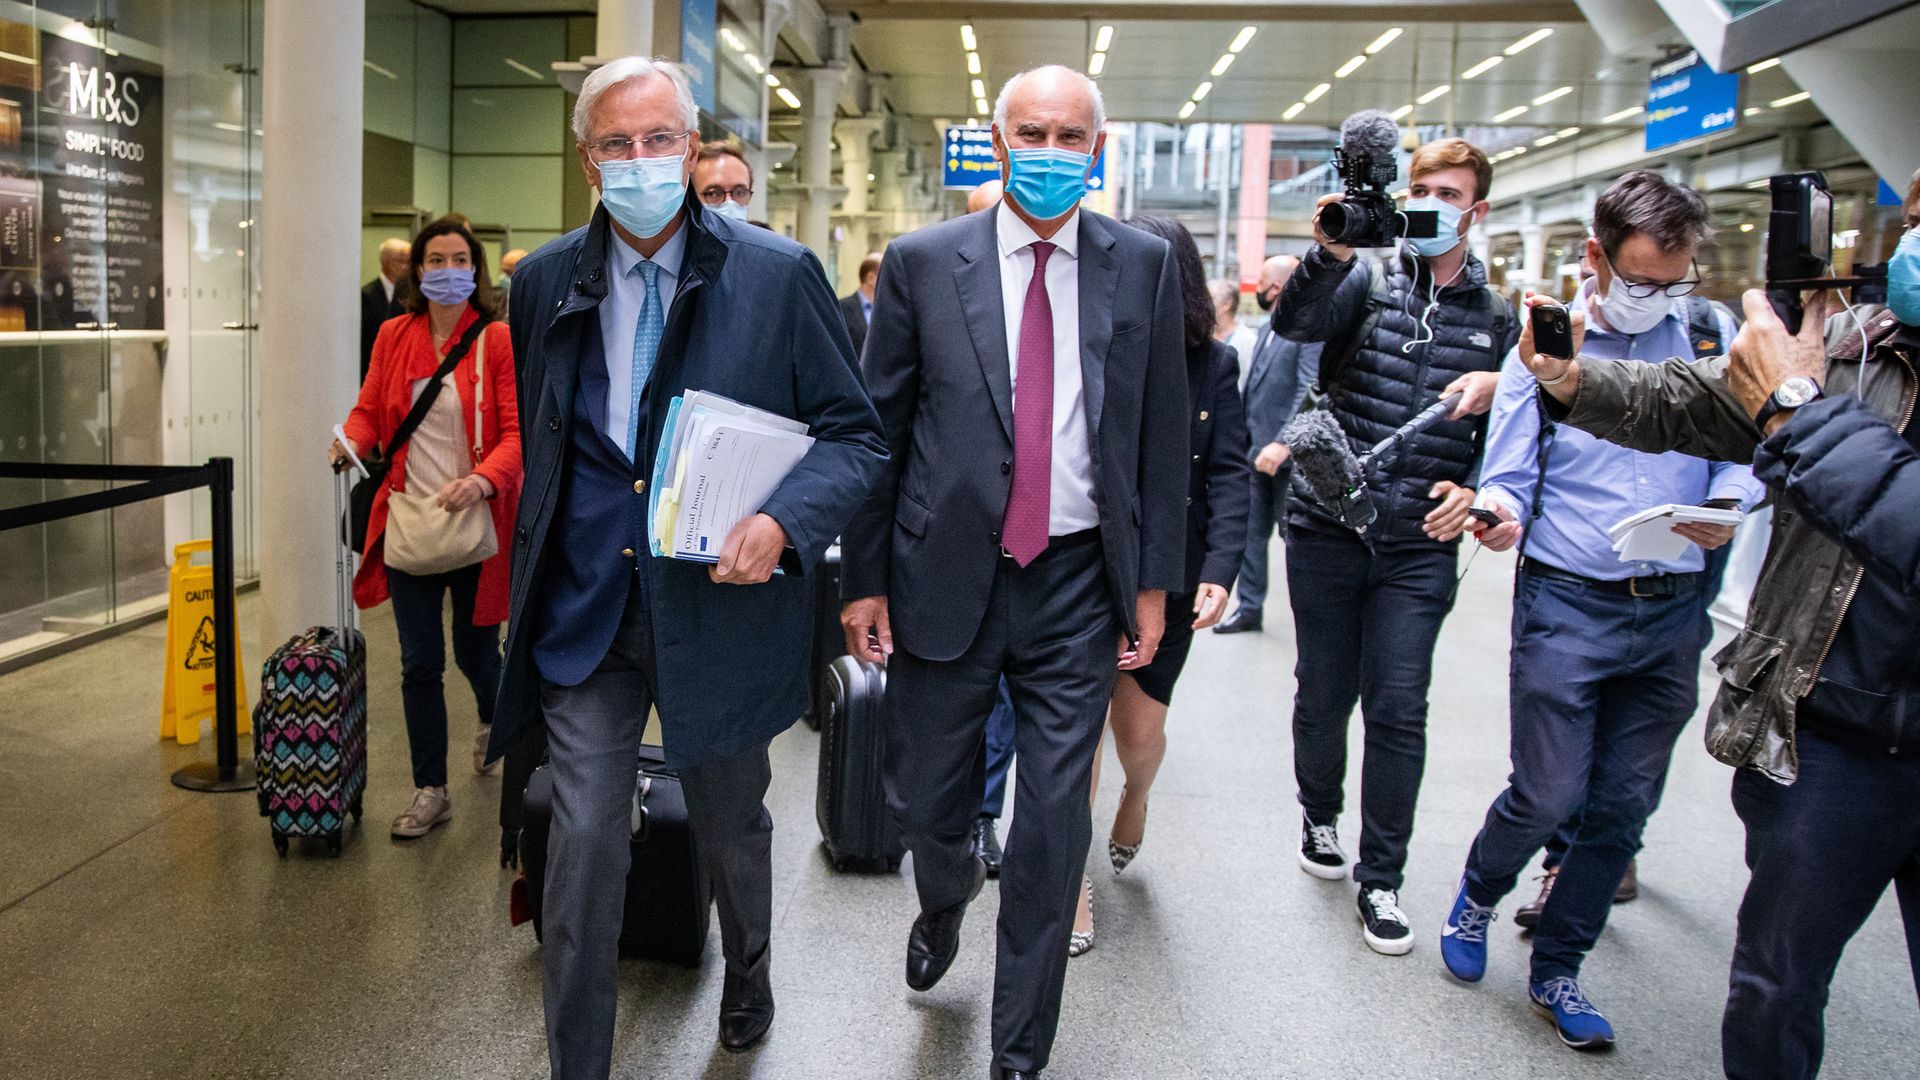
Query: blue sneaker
{"points": [[1580, 1024], [1463, 940]]}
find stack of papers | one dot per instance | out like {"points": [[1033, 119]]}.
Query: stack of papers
{"points": [[718, 464], [1648, 536]]}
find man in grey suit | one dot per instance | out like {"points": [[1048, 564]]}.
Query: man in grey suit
{"points": [[1279, 374], [1028, 367], [656, 296]]}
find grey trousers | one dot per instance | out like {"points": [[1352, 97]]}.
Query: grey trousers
{"points": [[1050, 631], [594, 732]]}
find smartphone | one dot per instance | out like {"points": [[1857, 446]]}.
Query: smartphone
{"points": [[1485, 516], [1552, 331]]}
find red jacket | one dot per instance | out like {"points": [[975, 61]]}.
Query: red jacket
{"points": [[402, 353]]}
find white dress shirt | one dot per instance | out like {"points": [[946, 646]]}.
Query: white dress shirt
{"points": [[389, 286], [620, 317], [1241, 341], [1070, 507]]}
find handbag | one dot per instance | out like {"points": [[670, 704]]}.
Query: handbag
{"points": [[378, 461]]}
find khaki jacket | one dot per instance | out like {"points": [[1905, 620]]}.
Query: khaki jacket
{"points": [[1808, 579]]}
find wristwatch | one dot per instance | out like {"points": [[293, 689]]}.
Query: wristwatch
{"points": [[1795, 393]]}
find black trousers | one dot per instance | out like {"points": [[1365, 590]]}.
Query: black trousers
{"points": [[1822, 853], [1266, 514], [1365, 622], [1051, 630]]}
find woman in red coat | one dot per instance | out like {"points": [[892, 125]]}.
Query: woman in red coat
{"points": [[463, 460]]}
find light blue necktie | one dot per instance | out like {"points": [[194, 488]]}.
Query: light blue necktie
{"points": [[646, 343]]}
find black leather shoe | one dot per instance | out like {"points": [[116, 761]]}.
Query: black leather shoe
{"points": [[1241, 622], [986, 844], [1014, 1074], [742, 1027], [935, 939]]}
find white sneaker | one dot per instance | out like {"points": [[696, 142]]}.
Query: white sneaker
{"points": [[431, 807], [482, 736]]}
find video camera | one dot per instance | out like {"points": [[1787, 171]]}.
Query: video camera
{"points": [[1367, 216], [1800, 247]]}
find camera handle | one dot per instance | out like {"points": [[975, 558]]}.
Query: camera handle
{"points": [[1785, 295]]}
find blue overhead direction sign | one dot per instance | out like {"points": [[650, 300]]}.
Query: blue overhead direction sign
{"points": [[1687, 99], [966, 157]]}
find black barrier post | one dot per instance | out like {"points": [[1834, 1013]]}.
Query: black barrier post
{"points": [[228, 772]]}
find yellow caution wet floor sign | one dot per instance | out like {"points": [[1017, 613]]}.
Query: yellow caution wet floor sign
{"points": [[187, 695]]}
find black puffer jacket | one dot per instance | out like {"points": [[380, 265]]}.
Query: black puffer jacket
{"points": [[1386, 385]]}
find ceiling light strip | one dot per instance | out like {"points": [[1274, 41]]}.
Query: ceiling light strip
{"points": [[1528, 42]]}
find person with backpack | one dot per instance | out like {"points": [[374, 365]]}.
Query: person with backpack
{"points": [[1605, 665], [1400, 335]]}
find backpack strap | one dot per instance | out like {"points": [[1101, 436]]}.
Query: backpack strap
{"points": [[1703, 327], [1379, 299]]}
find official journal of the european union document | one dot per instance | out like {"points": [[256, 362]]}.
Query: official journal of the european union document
{"points": [[718, 464]]}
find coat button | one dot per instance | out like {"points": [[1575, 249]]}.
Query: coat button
{"points": [[522, 533], [1203, 414], [994, 536], [1006, 467], [553, 424], [1189, 500], [1196, 457], [594, 276], [626, 553], [639, 487]]}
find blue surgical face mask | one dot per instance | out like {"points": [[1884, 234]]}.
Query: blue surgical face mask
{"points": [[448, 285], [730, 210], [643, 194], [1903, 279], [1047, 181], [1447, 238]]}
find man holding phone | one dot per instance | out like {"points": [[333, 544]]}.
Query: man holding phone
{"points": [[1606, 653]]}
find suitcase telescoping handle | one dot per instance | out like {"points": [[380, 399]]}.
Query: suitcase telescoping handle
{"points": [[347, 618]]}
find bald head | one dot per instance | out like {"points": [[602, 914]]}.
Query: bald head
{"points": [[1273, 277], [983, 196], [1050, 91], [512, 259], [395, 254]]}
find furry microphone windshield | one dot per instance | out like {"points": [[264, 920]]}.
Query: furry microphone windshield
{"points": [[1322, 456]]}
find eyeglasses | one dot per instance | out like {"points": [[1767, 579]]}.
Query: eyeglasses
{"points": [[1646, 290], [714, 196], [621, 147]]}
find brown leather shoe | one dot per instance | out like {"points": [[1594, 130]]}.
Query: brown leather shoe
{"points": [[1527, 916], [1629, 883]]}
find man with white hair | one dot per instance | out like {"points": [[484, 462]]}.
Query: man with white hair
{"points": [[1029, 367], [659, 295], [385, 296]]}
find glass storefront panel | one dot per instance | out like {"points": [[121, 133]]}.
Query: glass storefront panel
{"points": [[129, 165]]}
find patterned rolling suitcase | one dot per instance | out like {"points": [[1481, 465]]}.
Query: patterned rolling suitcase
{"points": [[310, 724]]}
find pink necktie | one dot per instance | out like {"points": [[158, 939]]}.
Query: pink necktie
{"points": [[1024, 532]]}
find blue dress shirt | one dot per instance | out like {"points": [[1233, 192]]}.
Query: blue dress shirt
{"points": [[1590, 484], [620, 316]]}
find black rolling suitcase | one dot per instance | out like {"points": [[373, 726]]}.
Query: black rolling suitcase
{"points": [[829, 641], [855, 825], [669, 901], [528, 753]]}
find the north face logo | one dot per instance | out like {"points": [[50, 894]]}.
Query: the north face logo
{"points": [[1480, 339]]}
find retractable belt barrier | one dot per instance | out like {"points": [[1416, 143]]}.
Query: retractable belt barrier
{"points": [[227, 772]]}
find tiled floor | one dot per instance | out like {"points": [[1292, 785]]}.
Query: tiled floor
{"points": [[148, 932]]}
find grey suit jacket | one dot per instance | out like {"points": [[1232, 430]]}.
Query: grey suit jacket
{"points": [[936, 362], [1278, 376]]}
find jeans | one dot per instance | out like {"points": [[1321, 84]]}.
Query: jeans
{"points": [[1822, 853], [423, 660], [999, 754], [1365, 622], [1602, 684]]}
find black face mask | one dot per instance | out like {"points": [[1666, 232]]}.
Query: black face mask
{"points": [[1266, 300]]}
